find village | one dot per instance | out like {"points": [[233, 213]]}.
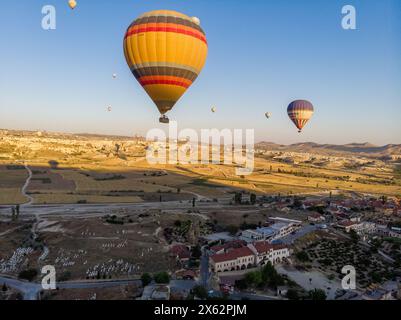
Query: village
{"points": [[114, 226]]}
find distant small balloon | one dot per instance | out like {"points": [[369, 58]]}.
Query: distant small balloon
{"points": [[114, 76], [72, 4], [214, 109], [196, 20], [109, 109], [268, 115]]}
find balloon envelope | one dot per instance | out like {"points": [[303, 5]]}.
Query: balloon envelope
{"points": [[214, 110], [72, 4], [166, 51], [300, 112], [268, 115]]}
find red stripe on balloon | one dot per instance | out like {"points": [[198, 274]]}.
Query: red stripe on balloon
{"points": [[166, 29], [168, 82]]}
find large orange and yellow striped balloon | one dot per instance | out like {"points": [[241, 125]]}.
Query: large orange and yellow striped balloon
{"points": [[166, 51]]}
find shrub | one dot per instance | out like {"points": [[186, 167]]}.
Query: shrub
{"points": [[29, 274], [162, 278], [146, 279]]}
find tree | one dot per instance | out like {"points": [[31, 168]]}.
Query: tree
{"points": [[238, 198], [292, 294], [354, 236], [254, 279], [196, 252], [162, 278], [200, 292], [241, 284], [146, 279], [270, 277], [302, 256], [232, 229], [29, 274], [317, 295], [253, 198]]}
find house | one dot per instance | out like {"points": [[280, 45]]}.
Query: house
{"points": [[234, 259], [186, 275], [251, 235], [161, 293], [260, 234], [316, 218], [280, 229], [265, 251], [181, 252], [283, 229], [377, 294], [282, 291], [347, 225]]}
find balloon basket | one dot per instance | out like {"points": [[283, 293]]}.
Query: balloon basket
{"points": [[164, 120]]}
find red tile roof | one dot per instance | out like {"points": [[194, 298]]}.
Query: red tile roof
{"points": [[229, 245], [346, 223], [264, 247], [316, 215], [181, 251], [232, 255]]}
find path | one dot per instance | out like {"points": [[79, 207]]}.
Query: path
{"points": [[24, 206], [25, 187]]}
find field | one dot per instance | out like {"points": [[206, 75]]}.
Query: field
{"points": [[330, 256], [71, 169], [12, 179], [126, 292]]}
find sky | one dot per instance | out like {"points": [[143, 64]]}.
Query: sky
{"points": [[262, 55]]}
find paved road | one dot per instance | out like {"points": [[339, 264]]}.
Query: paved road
{"points": [[250, 296], [88, 210], [30, 291], [204, 269]]}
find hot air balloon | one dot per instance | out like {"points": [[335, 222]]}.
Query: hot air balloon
{"points": [[72, 4], [268, 115], [300, 112], [214, 109], [166, 51], [114, 75], [109, 109]]}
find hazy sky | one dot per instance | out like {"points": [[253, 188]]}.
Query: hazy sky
{"points": [[262, 55]]}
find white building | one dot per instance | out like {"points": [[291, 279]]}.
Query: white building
{"points": [[264, 252], [280, 229], [256, 254], [235, 259]]}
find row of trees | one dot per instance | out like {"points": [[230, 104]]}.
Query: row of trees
{"points": [[159, 278]]}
